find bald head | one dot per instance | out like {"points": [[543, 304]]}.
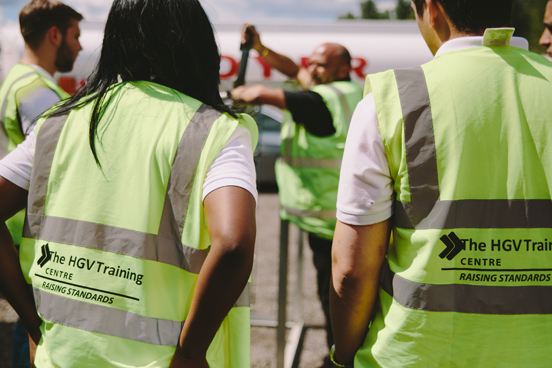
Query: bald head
{"points": [[329, 62]]}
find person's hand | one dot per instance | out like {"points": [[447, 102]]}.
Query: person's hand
{"points": [[258, 94], [181, 362], [237, 93], [249, 33], [247, 94]]}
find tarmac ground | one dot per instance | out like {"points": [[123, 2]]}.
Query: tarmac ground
{"points": [[264, 296]]}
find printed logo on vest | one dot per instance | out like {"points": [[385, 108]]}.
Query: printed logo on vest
{"points": [[496, 260], [46, 255], [453, 246], [70, 274]]}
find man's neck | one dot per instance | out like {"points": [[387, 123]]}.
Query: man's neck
{"points": [[451, 34], [32, 57]]}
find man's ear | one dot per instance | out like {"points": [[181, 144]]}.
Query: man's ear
{"points": [[54, 36], [434, 12], [343, 71]]}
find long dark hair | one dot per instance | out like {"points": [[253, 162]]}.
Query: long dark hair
{"points": [[169, 42]]}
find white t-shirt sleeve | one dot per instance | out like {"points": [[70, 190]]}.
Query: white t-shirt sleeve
{"points": [[365, 194], [16, 166], [34, 104], [233, 166]]}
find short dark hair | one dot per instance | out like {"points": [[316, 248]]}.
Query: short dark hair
{"points": [[38, 16], [474, 16]]}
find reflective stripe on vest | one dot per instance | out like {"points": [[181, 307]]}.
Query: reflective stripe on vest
{"points": [[165, 247], [426, 210], [92, 317], [343, 102], [480, 299]]}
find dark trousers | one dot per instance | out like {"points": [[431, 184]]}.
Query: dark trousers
{"points": [[20, 350], [322, 259]]}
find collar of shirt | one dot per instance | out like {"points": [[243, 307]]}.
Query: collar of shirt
{"points": [[40, 69], [462, 43]]}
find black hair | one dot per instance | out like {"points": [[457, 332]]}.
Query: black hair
{"points": [[474, 16], [38, 16], [169, 42]]}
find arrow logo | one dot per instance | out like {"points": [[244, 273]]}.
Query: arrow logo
{"points": [[46, 255], [454, 246]]}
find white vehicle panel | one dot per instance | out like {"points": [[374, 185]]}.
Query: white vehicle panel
{"points": [[374, 46]]}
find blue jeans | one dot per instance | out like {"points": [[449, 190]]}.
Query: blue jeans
{"points": [[20, 350]]}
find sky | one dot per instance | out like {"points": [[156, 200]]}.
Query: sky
{"points": [[228, 11]]}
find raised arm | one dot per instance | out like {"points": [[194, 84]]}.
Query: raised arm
{"points": [[278, 61], [358, 253], [12, 283], [230, 215]]}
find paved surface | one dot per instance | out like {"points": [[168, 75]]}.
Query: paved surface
{"points": [[264, 295], [264, 291]]}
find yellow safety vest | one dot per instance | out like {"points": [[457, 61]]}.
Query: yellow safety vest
{"points": [[113, 252], [468, 281], [11, 134], [307, 171]]}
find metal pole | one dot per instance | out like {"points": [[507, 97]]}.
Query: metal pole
{"points": [[299, 288], [282, 293]]}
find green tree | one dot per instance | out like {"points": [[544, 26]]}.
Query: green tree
{"points": [[349, 15], [403, 10], [369, 10]]}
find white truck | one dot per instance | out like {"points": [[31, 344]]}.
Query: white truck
{"points": [[374, 46]]}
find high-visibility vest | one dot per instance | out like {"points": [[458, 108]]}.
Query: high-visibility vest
{"points": [[113, 252], [11, 134], [307, 171], [468, 278]]}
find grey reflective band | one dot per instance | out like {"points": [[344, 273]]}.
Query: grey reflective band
{"points": [[244, 299], [480, 214], [4, 140], [419, 142], [321, 214], [117, 240], [111, 321], [183, 171], [105, 320], [307, 162], [46, 142], [426, 210], [288, 143], [346, 109], [478, 299]]}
